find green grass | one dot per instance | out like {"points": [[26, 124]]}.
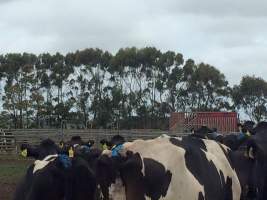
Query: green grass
{"points": [[10, 173], [11, 170]]}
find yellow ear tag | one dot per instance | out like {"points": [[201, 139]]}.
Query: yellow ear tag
{"points": [[248, 133], [24, 153], [105, 146], [71, 153]]}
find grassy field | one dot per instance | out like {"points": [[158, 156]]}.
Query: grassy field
{"points": [[12, 168]]}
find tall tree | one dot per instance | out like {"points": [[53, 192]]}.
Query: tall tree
{"points": [[205, 89], [251, 97]]}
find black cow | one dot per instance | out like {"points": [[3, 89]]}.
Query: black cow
{"points": [[115, 140], [57, 181], [77, 141], [257, 152], [206, 133], [248, 129], [242, 165], [202, 132], [45, 148], [76, 145], [168, 168], [56, 176], [247, 126], [234, 141]]}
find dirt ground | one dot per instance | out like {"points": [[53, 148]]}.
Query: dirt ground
{"points": [[12, 168], [7, 190]]}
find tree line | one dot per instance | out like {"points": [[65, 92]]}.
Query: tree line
{"points": [[134, 88]]}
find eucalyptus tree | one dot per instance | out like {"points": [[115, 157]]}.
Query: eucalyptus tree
{"points": [[251, 97], [173, 76], [11, 102], [18, 71], [136, 87], [60, 73], [43, 74], [206, 88], [27, 83], [95, 65], [125, 77], [148, 61]]}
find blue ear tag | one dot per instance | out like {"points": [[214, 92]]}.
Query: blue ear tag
{"points": [[115, 150], [240, 136], [85, 148], [65, 160]]}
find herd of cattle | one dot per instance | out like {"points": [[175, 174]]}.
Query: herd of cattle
{"points": [[201, 166]]}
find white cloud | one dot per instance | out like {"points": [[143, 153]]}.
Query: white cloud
{"points": [[231, 35]]}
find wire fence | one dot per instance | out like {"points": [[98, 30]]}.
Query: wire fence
{"points": [[10, 140]]}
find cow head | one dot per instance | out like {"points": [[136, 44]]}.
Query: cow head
{"points": [[90, 143], [132, 177], [257, 152], [204, 130], [107, 172], [45, 148], [76, 146], [116, 140], [120, 176], [247, 127]]}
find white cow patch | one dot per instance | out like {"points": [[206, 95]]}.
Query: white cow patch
{"points": [[40, 164], [164, 136], [216, 154], [117, 190], [106, 152], [172, 157]]}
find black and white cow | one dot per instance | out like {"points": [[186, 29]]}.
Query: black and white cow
{"points": [[168, 168], [55, 176]]}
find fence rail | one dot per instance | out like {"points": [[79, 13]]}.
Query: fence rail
{"points": [[11, 139]]}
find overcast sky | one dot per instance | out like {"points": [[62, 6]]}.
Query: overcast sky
{"points": [[228, 34]]}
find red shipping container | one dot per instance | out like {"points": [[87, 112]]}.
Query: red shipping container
{"points": [[225, 122]]}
